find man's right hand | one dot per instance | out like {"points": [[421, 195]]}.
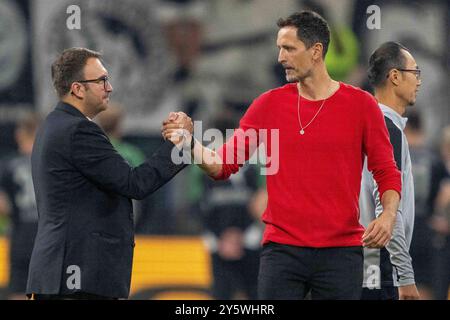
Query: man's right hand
{"points": [[178, 128], [379, 231], [408, 292]]}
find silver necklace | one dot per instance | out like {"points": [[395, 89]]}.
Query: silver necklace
{"points": [[302, 128]]}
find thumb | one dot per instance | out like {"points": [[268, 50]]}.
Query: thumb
{"points": [[173, 116]]}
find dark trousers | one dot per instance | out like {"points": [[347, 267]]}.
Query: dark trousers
{"points": [[290, 273], [441, 267], [230, 276], [74, 296], [385, 293]]}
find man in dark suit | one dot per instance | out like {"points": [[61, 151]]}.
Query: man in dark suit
{"points": [[84, 244]]}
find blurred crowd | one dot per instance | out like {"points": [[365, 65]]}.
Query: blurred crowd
{"points": [[216, 57]]}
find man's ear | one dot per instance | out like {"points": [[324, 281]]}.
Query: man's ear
{"points": [[394, 77], [317, 51], [77, 90]]}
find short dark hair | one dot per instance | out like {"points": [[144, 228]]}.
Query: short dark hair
{"points": [[311, 27], [68, 68], [387, 57]]}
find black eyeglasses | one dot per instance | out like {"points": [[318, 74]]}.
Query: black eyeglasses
{"points": [[415, 71], [105, 80]]}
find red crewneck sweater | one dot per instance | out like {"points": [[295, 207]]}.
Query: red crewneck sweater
{"points": [[313, 196]]}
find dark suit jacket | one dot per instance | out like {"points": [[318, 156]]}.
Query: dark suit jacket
{"points": [[83, 191]]}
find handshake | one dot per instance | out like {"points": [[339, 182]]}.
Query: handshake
{"points": [[178, 128]]}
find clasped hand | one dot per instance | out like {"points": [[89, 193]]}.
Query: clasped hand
{"points": [[178, 128]]}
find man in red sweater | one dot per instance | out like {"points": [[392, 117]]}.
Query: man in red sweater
{"points": [[312, 240]]}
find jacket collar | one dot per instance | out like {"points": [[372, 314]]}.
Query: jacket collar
{"points": [[398, 120], [69, 109]]}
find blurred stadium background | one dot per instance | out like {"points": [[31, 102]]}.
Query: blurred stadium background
{"points": [[210, 59]]}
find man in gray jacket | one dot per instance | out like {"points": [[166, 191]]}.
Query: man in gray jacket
{"points": [[394, 74]]}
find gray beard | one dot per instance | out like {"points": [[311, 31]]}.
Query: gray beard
{"points": [[300, 78]]}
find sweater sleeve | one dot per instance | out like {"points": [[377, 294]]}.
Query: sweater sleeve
{"points": [[379, 151], [244, 142]]}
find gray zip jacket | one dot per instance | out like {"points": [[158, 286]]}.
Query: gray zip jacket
{"points": [[391, 265]]}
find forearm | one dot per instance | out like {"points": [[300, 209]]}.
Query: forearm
{"points": [[390, 202], [207, 159], [379, 231]]}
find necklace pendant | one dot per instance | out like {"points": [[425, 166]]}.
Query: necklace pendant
{"points": [[302, 131]]}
